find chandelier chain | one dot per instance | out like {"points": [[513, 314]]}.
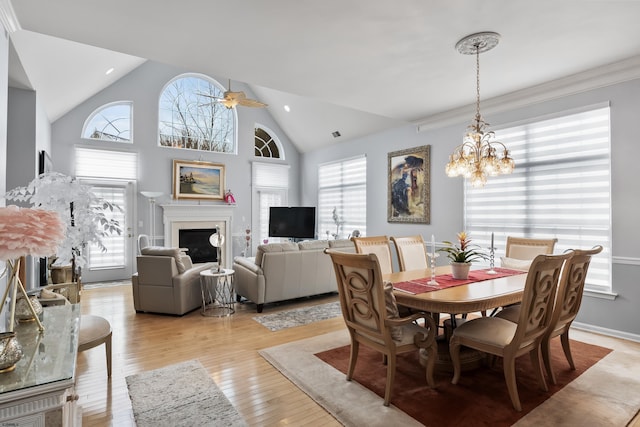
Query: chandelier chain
{"points": [[478, 83]]}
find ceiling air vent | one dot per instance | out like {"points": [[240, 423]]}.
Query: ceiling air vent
{"points": [[335, 134]]}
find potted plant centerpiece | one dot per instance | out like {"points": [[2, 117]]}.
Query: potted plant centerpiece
{"points": [[462, 255]]}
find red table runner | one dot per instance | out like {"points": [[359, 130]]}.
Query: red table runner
{"points": [[420, 286]]}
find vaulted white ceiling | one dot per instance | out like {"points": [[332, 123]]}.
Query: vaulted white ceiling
{"points": [[356, 67]]}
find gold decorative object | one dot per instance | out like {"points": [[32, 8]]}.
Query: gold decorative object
{"points": [[477, 157], [23, 311], [10, 351]]}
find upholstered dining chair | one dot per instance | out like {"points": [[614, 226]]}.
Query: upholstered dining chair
{"points": [[378, 245], [411, 252], [524, 248], [369, 311], [565, 310], [509, 340]]}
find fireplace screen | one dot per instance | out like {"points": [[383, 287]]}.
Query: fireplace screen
{"points": [[197, 241]]}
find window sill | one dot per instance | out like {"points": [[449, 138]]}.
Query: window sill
{"points": [[600, 294]]}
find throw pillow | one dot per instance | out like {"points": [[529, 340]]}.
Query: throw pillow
{"points": [[392, 310], [176, 253], [516, 264]]}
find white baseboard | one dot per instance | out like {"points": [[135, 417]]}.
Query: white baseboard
{"points": [[606, 331]]}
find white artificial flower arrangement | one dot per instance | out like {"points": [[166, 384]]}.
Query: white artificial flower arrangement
{"points": [[82, 212]]}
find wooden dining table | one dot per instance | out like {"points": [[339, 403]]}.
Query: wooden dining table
{"points": [[462, 299], [469, 298]]}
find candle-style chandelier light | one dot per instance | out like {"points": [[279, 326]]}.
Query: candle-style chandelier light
{"points": [[477, 157]]}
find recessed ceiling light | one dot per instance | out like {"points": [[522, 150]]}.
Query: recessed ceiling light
{"points": [[109, 71], [287, 108]]}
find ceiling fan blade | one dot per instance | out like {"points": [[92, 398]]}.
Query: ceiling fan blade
{"points": [[248, 102]]}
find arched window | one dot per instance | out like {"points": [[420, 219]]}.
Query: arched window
{"points": [[267, 144], [191, 118], [110, 122]]}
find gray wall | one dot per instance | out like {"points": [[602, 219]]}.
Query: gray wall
{"points": [[143, 86], [619, 314]]}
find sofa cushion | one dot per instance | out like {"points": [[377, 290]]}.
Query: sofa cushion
{"points": [[313, 244], [176, 253], [274, 247]]}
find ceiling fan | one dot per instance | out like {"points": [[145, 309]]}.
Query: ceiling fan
{"points": [[230, 99]]}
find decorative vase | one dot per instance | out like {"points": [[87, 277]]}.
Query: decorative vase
{"points": [[10, 351], [23, 313], [460, 270]]}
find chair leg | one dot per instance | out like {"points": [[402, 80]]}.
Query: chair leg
{"points": [[454, 352], [546, 358], [432, 355], [391, 374], [355, 346], [509, 364], [107, 348], [564, 338], [536, 362]]}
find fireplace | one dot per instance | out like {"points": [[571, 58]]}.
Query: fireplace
{"points": [[190, 220], [196, 240]]}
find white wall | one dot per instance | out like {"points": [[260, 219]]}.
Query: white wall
{"points": [[620, 314], [143, 86]]}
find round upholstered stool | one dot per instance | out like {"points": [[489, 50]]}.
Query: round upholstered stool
{"points": [[95, 330]]}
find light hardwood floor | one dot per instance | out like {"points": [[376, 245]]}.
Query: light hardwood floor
{"points": [[226, 347]]}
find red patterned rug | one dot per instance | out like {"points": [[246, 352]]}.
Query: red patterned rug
{"points": [[479, 399]]}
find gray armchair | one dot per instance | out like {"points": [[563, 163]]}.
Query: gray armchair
{"points": [[167, 282]]}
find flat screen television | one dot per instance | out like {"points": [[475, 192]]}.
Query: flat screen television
{"points": [[292, 222]]}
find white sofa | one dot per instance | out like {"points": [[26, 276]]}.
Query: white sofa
{"points": [[283, 271]]}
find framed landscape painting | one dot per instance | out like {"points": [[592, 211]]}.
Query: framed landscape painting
{"points": [[409, 187], [198, 180]]}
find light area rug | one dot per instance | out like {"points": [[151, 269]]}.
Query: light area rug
{"points": [[180, 395], [608, 394], [299, 316]]}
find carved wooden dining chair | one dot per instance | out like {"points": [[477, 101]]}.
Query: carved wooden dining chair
{"points": [[378, 245], [411, 252], [566, 307], [509, 340], [369, 311]]}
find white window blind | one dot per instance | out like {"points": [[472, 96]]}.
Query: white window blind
{"points": [[560, 188], [342, 185], [115, 244], [93, 163], [270, 188]]}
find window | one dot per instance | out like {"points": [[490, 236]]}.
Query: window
{"points": [[560, 188], [342, 186], [270, 188], [111, 122], [115, 244], [191, 118], [267, 145], [108, 173]]}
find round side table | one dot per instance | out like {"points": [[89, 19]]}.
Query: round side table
{"points": [[218, 294]]}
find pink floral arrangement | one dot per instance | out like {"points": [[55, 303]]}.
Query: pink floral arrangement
{"points": [[28, 231]]}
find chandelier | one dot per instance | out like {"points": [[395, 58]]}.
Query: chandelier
{"points": [[477, 157]]}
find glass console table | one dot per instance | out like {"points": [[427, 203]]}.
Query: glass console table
{"points": [[42, 384]]}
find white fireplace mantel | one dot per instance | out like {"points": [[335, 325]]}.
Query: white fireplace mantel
{"points": [[187, 216]]}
